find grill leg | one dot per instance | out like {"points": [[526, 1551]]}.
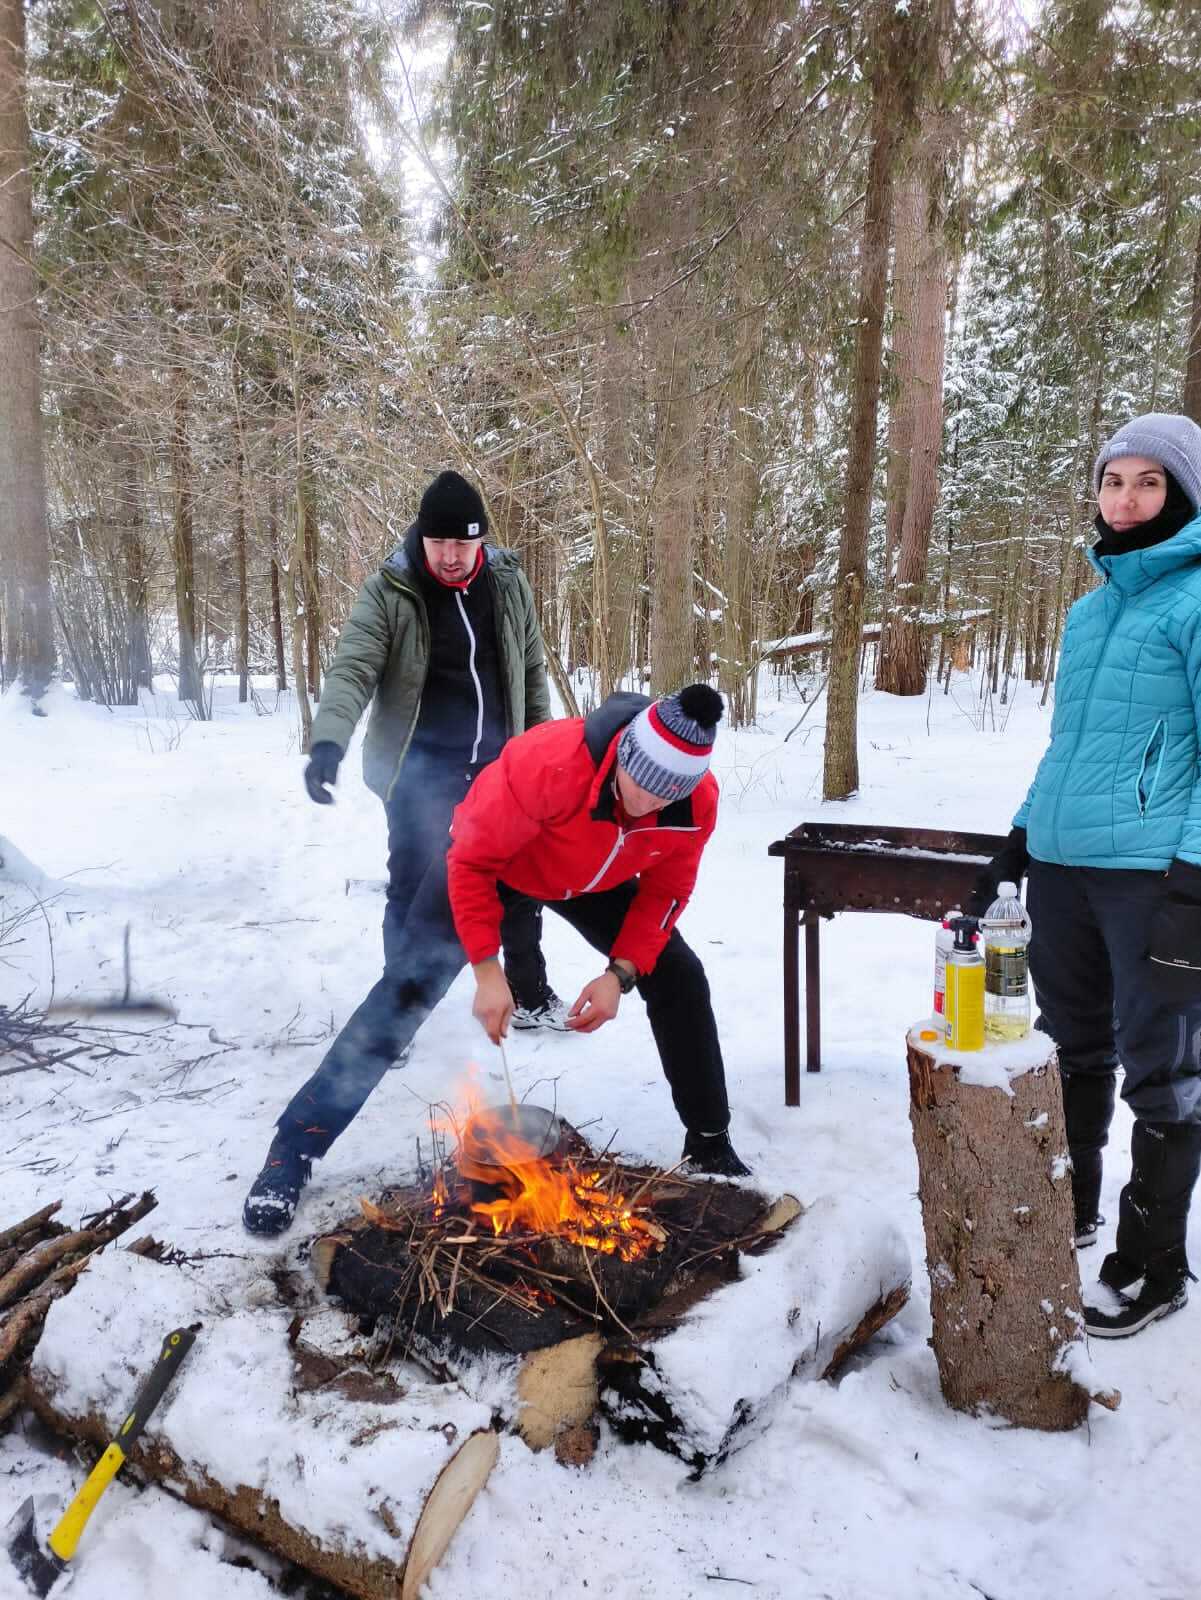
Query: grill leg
{"points": [[792, 1005], [813, 994]]}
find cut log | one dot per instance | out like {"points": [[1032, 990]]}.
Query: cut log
{"points": [[339, 1488], [995, 1185], [451, 1498], [557, 1389], [702, 1372]]}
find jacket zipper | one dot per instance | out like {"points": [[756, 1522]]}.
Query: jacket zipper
{"points": [[621, 838], [609, 859], [1088, 700], [1144, 798], [479, 688]]}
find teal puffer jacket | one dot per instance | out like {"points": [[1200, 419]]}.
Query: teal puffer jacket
{"points": [[1119, 785]]}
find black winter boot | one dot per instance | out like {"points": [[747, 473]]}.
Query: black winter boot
{"points": [[1088, 1099], [1152, 1228], [713, 1153], [271, 1201]]}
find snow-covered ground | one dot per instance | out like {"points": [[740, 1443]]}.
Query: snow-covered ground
{"points": [[236, 890]]}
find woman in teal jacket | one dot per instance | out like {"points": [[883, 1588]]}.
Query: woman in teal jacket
{"points": [[1111, 829]]}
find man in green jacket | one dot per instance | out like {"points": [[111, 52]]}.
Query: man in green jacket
{"points": [[445, 642]]}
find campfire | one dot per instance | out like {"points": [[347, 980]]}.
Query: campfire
{"points": [[519, 1235], [582, 1273], [547, 1192]]}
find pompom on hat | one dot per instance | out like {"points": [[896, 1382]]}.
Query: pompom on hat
{"points": [[667, 747], [1172, 440], [451, 508]]}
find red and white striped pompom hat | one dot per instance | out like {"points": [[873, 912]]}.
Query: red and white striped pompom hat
{"points": [[667, 747]]}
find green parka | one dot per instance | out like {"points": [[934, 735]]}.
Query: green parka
{"points": [[384, 652]]}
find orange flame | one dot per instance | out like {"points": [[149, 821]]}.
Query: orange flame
{"points": [[545, 1197]]}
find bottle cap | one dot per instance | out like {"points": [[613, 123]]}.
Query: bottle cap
{"points": [[1007, 890]]}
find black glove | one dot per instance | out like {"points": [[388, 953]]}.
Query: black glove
{"points": [[1176, 925], [1007, 866], [321, 770]]}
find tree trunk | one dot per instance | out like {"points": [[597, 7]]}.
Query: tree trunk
{"points": [[277, 615], [137, 577], [623, 545], [746, 446], [190, 686], [1192, 370], [840, 775], [1004, 1287], [672, 616], [308, 544], [903, 394], [243, 632], [24, 533], [903, 642]]}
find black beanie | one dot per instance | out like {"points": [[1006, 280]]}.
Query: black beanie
{"points": [[452, 509]]}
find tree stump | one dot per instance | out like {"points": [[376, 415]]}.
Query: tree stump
{"points": [[994, 1179]]}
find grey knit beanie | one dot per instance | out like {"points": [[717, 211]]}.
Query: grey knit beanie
{"points": [[667, 747], [1173, 441]]}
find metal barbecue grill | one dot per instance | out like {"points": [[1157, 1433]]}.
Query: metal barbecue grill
{"points": [[831, 867]]}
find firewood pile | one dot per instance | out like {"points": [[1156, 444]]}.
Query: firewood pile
{"points": [[40, 1260]]}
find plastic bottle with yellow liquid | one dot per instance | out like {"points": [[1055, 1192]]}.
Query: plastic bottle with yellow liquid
{"points": [[965, 989], [1005, 933]]}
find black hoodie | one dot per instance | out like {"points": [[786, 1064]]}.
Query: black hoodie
{"points": [[462, 714]]}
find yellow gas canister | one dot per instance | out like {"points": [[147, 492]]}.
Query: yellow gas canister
{"points": [[965, 989]]}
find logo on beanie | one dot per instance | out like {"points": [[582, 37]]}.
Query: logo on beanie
{"points": [[473, 530]]}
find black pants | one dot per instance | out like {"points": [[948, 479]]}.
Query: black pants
{"points": [[1101, 1000], [1104, 1003], [428, 958], [419, 812]]}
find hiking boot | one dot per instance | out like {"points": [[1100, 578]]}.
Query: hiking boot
{"points": [[271, 1202], [1086, 1232], [713, 1153], [1107, 1320], [551, 1013]]}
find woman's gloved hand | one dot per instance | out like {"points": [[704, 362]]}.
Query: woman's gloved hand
{"points": [[1007, 866], [1176, 925]]}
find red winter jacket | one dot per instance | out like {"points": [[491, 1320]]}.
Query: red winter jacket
{"points": [[543, 818]]}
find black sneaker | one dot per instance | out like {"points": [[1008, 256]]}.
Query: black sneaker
{"points": [[271, 1203], [552, 1013], [1127, 1316], [713, 1153], [1086, 1232]]}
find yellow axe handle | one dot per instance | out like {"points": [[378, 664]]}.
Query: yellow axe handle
{"points": [[74, 1519]]}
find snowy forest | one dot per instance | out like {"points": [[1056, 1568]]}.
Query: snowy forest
{"points": [[766, 330], [786, 373]]}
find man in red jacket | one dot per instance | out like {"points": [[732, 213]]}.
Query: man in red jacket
{"points": [[604, 819]]}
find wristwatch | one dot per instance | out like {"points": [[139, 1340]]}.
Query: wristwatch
{"points": [[627, 980]]}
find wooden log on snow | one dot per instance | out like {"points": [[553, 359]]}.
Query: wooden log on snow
{"points": [[366, 1495], [703, 1370], [994, 1180]]}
